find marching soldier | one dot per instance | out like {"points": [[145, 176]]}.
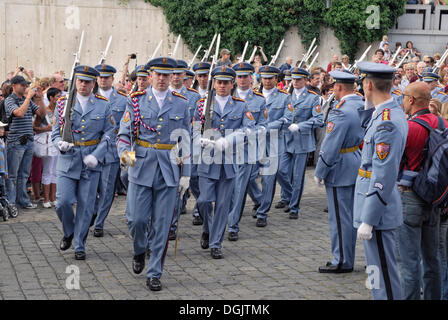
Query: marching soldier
{"points": [[216, 179], [377, 206], [110, 170], [192, 97], [79, 165], [339, 160], [201, 70], [300, 138], [280, 113], [188, 79], [247, 173], [143, 78], [432, 80], [154, 177]]}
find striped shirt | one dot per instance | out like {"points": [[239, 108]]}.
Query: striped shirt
{"points": [[19, 126]]}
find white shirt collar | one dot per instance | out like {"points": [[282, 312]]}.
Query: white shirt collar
{"points": [[267, 92], [298, 92], [160, 96], [202, 92], [242, 93], [106, 93], [222, 101]]}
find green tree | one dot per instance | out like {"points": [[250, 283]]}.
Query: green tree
{"points": [[265, 22]]}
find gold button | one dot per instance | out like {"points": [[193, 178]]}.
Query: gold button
{"points": [[222, 126], [143, 117], [177, 118], [82, 127], [83, 132], [222, 120], [83, 120], [158, 140], [97, 117], [82, 139], [159, 133], [160, 119], [159, 126]]}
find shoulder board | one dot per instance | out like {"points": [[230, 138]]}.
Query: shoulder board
{"points": [[339, 104], [283, 91], [137, 93], [193, 90], [313, 92], [336, 112], [98, 96], [440, 86], [238, 99], [122, 93], [201, 100], [397, 92], [441, 92], [179, 95], [62, 98], [385, 114], [258, 94], [359, 94]]}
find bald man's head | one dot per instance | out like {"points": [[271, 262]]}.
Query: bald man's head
{"points": [[416, 96]]}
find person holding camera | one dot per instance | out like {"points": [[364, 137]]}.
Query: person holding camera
{"points": [[19, 111]]}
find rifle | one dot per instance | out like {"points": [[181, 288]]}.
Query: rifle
{"points": [[308, 54], [194, 57], [204, 59], [402, 60], [241, 59], [67, 131], [327, 105], [252, 56], [208, 105], [440, 62], [312, 62], [173, 54], [156, 50], [207, 52], [395, 56], [274, 58], [103, 60]]}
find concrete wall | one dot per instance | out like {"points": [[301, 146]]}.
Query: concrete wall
{"points": [[42, 35]]}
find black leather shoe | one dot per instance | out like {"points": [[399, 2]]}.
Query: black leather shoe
{"points": [[326, 209], [154, 284], [138, 263], [204, 240], [261, 223], [172, 235], [98, 233], [197, 221], [233, 236], [287, 209], [330, 268], [66, 243], [80, 255], [293, 215], [281, 205], [216, 253], [93, 220]]}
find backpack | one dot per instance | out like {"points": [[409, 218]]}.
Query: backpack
{"points": [[3, 117], [431, 183]]}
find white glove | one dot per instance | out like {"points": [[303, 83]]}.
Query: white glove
{"points": [[64, 146], [319, 181], [364, 231], [285, 121], [221, 144], [206, 142], [90, 161], [184, 183], [294, 127]]}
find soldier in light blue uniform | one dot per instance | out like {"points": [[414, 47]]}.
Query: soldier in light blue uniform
{"points": [[338, 164], [397, 95], [188, 79], [377, 207], [154, 178], [300, 138], [432, 80], [192, 97], [201, 70], [280, 113], [245, 182], [217, 172], [80, 163], [110, 170]]}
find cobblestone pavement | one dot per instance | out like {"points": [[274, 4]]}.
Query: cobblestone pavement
{"points": [[279, 261]]}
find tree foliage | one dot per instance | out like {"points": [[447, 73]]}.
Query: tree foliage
{"points": [[264, 22]]}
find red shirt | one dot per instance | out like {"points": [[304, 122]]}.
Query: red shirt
{"points": [[416, 140]]}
